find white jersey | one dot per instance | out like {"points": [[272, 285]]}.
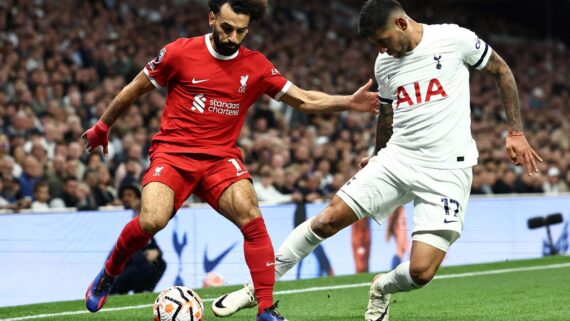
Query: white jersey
{"points": [[428, 89]]}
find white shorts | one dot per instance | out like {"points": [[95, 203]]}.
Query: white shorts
{"points": [[439, 195]]}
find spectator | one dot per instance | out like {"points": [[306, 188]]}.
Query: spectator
{"points": [[4, 204], [30, 177], [266, 192], [552, 184], [76, 166], [310, 188], [54, 85], [505, 184], [55, 175], [104, 194], [8, 168], [69, 194], [85, 198], [41, 197], [132, 173]]}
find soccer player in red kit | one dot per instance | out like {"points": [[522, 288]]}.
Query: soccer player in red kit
{"points": [[211, 82]]}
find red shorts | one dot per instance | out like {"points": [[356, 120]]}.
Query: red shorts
{"points": [[186, 174]]}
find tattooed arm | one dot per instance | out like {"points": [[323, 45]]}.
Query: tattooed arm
{"points": [[503, 75], [518, 148], [384, 131], [384, 128]]}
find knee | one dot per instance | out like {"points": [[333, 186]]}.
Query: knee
{"points": [[421, 275], [325, 225], [247, 216], [151, 224]]}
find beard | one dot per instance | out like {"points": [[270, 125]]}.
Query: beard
{"points": [[224, 49]]}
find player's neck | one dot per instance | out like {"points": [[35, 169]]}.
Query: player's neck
{"points": [[417, 30]]}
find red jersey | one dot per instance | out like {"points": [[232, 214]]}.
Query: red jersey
{"points": [[208, 95]]}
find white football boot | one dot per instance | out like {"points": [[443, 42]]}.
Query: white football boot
{"points": [[231, 303], [378, 304]]}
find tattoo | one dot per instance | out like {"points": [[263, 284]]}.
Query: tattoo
{"points": [[508, 89], [384, 127]]}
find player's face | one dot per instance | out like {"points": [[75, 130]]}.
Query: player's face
{"points": [[393, 39], [228, 30]]}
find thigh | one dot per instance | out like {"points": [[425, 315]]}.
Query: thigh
{"points": [[157, 206], [220, 175], [441, 198], [170, 181], [238, 203], [377, 189]]}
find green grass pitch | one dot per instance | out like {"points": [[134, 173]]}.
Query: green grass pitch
{"points": [[526, 290]]}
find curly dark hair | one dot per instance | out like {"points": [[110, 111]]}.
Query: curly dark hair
{"points": [[375, 14], [255, 9]]}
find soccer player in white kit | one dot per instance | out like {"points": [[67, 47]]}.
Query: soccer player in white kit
{"points": [[424, 151]]}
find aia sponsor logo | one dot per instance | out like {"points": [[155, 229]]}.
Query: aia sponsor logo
{"points": [[421, 95]]}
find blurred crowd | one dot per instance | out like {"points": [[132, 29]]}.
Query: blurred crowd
{"points": [[62, 62]]}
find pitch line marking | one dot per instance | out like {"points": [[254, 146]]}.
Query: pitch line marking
{"points": [[311, 289]]}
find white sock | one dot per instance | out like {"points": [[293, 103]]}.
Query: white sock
{"points": [[397, 280], [300, 243]]}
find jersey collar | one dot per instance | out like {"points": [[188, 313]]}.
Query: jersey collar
{"points": [[214, 53]]}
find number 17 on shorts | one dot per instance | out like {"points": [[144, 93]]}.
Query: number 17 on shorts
{"points": [[451, 208]]}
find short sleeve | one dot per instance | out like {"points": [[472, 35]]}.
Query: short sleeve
{"points": [[384, 94], [274, 83], [474, 51], [162, 69]]}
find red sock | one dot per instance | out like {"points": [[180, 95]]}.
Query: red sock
{"points": [[260, 260], [132, 239]]}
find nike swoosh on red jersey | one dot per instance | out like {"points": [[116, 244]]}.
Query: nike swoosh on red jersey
{"points": [[194, 81]]}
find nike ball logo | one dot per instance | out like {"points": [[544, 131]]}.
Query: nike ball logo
{"points": [[219, 303]]}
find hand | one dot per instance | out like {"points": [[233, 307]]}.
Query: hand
{"points": [[296, 197], [151, 255], [312, 197], [97, 136], [521, 153], [363, 100], [364, 162]]}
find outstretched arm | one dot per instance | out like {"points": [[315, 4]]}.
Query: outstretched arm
{"points": [[384, 131], [319, 102], [136, 88], [97, 135], [518, 148]]}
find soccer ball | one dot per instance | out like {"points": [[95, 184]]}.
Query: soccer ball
{"points": [[178, 303]]}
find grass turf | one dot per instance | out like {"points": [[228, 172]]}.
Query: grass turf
{"points": [[541, 295]]}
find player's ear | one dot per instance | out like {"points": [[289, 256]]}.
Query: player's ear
{"points": [[211, 19], [401, 23]]}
